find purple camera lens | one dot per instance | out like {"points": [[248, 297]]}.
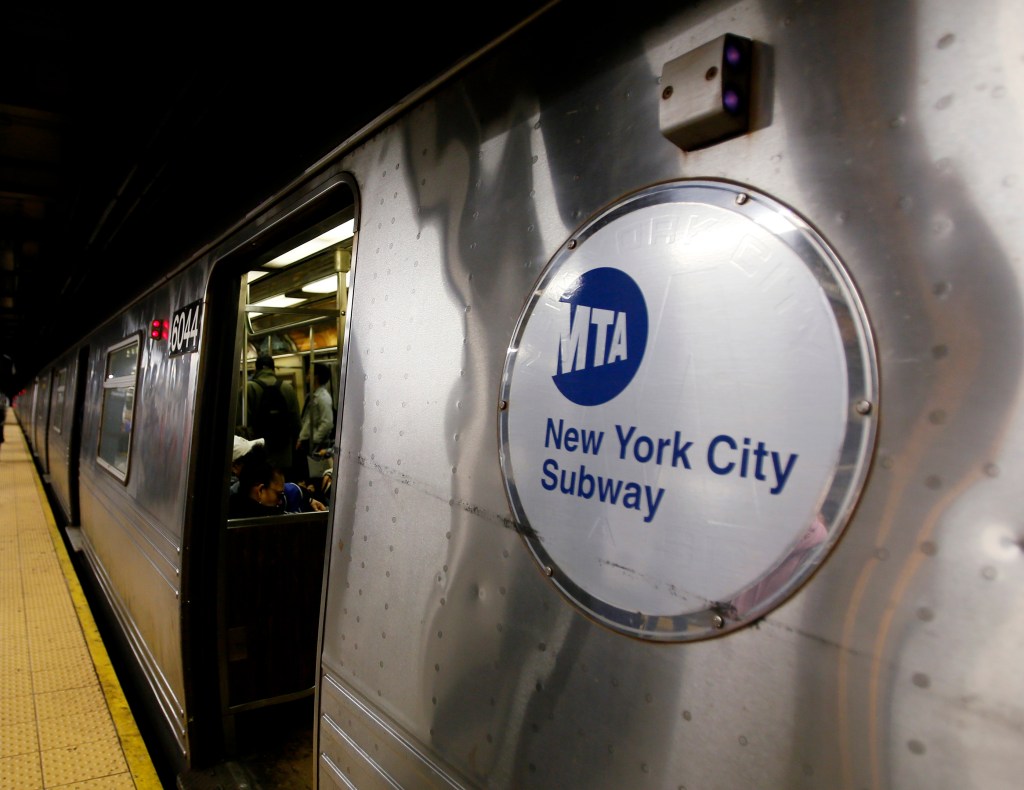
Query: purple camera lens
{"points": [[731, 100], [732, 55]]}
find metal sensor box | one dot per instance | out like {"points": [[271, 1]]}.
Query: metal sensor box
{"points": [[706, 93]]}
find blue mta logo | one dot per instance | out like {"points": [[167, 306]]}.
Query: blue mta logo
{"points": [[602, 337]]}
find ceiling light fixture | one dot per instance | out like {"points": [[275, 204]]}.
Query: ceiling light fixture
{"points": [[334, 236], [327, 285]]}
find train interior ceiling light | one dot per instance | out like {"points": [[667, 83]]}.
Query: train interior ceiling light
{"points": [[336, 235], [328, 284]]}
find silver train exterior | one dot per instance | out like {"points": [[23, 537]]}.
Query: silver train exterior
{"points": [[835, 305]]}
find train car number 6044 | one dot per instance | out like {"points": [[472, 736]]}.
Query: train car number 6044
{"points": [[184, 336]]}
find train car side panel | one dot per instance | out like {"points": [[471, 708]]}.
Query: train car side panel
{"points": [[41, 419], [62, 441], [23, 408], [446, 651], [134, 471]]}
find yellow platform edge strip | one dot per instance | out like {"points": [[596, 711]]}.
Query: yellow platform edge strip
{"points": [[136, 753]]}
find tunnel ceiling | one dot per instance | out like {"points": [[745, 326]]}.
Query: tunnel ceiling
{"points": [[122, 135]]}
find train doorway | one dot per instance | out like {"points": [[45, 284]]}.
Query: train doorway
{"points": [[290, 286]]}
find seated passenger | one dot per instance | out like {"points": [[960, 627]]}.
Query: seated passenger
{"points": [[294, 499], [260, 490], [299, 499], [240, 453]]}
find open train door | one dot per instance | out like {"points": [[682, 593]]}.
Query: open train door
{"points": [[283, 285]]}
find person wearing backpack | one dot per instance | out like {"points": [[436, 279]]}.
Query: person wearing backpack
{"points": [[272, 412]]}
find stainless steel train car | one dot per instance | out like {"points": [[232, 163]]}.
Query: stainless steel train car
{"points": [[677, 362]]}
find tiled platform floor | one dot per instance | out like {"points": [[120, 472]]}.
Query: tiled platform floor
{"points": [[64, 721]]}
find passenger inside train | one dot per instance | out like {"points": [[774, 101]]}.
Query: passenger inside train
{"points": [[272, 411], [239, 453], [256, 480], [260, 489], [317, 430], [301, 499]]}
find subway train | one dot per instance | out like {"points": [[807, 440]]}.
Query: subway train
{"points": [[548, 561]]}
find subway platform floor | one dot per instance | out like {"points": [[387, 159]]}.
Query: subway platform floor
{"points": [[64, 720]]}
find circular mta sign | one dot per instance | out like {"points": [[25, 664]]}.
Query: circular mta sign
{"points": [[687, 410]]}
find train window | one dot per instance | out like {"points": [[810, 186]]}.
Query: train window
{"points": [[118, 407], [58, 400]]}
